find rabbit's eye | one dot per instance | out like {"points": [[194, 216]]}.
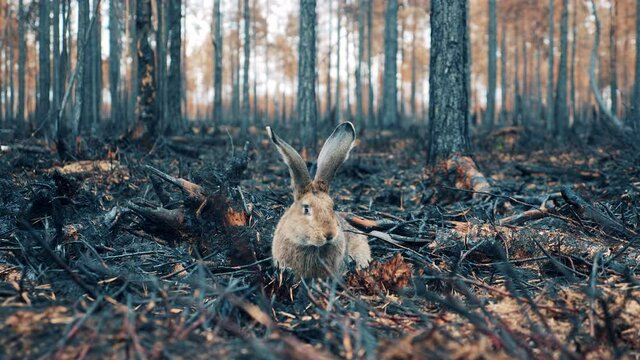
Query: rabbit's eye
{"points": [[306, 209]]}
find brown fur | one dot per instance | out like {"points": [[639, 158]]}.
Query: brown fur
{"points": [[317, 244]]}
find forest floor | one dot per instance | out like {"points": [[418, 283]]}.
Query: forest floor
{"points": [[111, 258]]}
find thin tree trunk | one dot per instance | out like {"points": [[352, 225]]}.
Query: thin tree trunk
{"points": [[613, 49], [538, 95], [635, 106], [236, 71], [491, 91], [255, 74], [307, 112], [371, 112], [524, 103], [401, 114], [516, 79], [76, 125], [96, 69], [338, 110], [448, 90], [217, 73], [174, 76], [266, 66], [413, 68], [389, 89], [348, 65], [56, 56], [22, 62], [245, 72], [561, 111], [329, 52], [574, 32], [359, 97], [114, 59], [161, 58], [503, 73], [550, 62], [44, 74]]}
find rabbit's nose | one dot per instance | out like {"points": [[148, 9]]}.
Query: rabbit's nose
{"points": [[329, 236]]}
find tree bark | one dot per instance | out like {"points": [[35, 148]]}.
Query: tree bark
{"points": [[338, 109], [635, 105], [22, 62], [134, 77], [307, 112], [57, 87], [389, 88], [329, 52], [550, 119], [161, 58], [44, 73], [448, 90], [174, 76], [491, 87], [561, 112], [83, 25], [613, 49], [217, 73], [245, 71], [114, 59], [146, 70], [574, 36], [348, 66], [359, 97], [371, 112], [516, 79], [413, 68], [503, 74]]}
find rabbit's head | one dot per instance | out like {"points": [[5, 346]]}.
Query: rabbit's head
{"points": [[311, 220]]}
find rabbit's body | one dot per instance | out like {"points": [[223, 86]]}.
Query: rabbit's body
{"points": [[310, 238]]}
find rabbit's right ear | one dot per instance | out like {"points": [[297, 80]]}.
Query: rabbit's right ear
{"points": [[300, 177]]}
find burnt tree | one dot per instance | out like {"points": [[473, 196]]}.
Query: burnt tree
{"points": [[307, 113]]}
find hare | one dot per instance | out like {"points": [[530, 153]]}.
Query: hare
{"points": [[311, 239]]}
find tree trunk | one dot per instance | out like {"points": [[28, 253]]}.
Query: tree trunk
{"points": [[399, 76], [348, 84], [245, 70], [635, 105], [613, 49], [57, 89], [114, 59], [307, 72], [44, 74], [359, 97], [524, 99], [491, 91], [413, 68], [612, 118], [389, 89], [174, 76], [503, 73], [574, 32], [538, 95], [96, 68], [236, 71], [161, 58], [371, 112], [448, 90], [329, 51], [561, 111], [516, 80], [550, 119], [338, 110], [134, 77], [146, 70], [22, 62], [217, 73], [83, 25]]}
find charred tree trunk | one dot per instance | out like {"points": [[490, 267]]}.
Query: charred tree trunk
{"points": [[359, 97], [613, 49], [217, 71], [389, 89], [146, 70], [174, 77], [161, 58], [448, 90], [307, 72], [491, 91], [83, 25], [574, 36], [371, 112], [413, 69], [44, 73], [348, 66], [329, 52], [550, 119], [114, 60], [22, 62], [245, 70], [57, 88], [503, 74], [134, 77], [338, 109], [561, 111]]}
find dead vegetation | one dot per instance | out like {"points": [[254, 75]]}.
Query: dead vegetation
{"points": [[164, 253]]}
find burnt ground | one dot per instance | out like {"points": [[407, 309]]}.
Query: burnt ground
{"points": [[105, 258]]}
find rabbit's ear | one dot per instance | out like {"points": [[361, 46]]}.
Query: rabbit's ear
{"points": [[335, 151], [297, 168]]}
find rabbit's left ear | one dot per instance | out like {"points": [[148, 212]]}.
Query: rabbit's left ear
{"points": [[335, 151]]}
